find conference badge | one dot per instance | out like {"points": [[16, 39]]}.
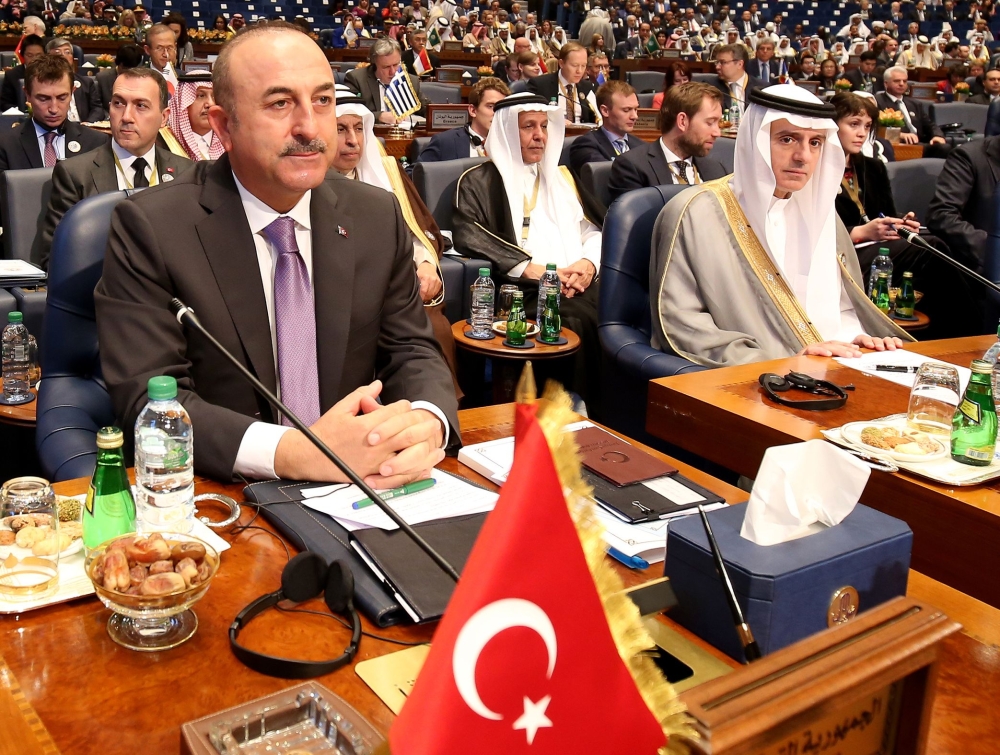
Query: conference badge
{"points": [[73, 146]]}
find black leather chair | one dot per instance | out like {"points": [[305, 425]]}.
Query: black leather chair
{"points": [[724, 150], [564, 155], [24, 199], [913, 183], [646, 99], [441, 94], [629, 362], [73, 402], [594, 179], [970, 115], [993, 119], [7, 304], [646, 81], [418, 145]]}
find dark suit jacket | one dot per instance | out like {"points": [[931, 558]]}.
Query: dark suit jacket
{"points": [[88, 99], [754, 69], [452, 144], [646, 166], [190, 239], [727, 100], [979, 99], [856, 78], [547, 85], [876, 193], [105, 85], [408, 58], [595, 147], [363, 82], [19, 147], [77, 178], [12, 91], [960, 212], [920, 116]]}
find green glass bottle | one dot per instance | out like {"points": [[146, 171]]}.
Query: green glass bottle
{"points": [[517, 324], [880, 293], [550, 327], [906, 299], [110, 509], [974, 426]]}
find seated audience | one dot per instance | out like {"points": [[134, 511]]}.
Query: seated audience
{"points": [[863, 78], [128, 56], [758, 266], [676, 75], [732, 79], [468, 140], [161, 47], [598, 68], [520, 211], [190, 132], [807, 68], [418, 60], [270, 198], [476, 38], [12, 91], [85, 105], [946, 87], [619, 108], [689, 125], [139, 109], [991, 88], [918, 125], [527, 64], [47, 136], [176, 23], [370, 82], [827, 77], [764, 66], [961, 212], [568, 87]]}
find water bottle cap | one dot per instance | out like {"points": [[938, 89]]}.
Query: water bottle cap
{"points": [[162, 388], [908, 274], [484, 272], [109, 437], [981, 367], [550, 266], [883, 252], [15, 317]]}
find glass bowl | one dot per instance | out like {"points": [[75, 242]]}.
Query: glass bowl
{"points": [[152, 622]]}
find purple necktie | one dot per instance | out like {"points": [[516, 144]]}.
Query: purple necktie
{"points": [[50, 157], [295, 324]]}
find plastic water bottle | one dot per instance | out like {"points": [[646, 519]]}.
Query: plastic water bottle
{"points": [[548, 281], [993, 352], [164, 461], [16, 360], [483, 296], [881, 264]]}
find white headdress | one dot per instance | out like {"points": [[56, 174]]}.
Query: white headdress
{"points": [[370, 169]]}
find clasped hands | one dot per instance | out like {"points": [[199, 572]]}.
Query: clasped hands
{"points": [[388, 446], [574, 279]]}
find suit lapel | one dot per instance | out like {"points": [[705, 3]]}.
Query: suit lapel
{"points": [[29, 143], [105, 172], [333, 258], [658, 163], [229, 246]]}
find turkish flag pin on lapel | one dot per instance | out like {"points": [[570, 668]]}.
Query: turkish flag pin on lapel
{"points": [[342, 231]]}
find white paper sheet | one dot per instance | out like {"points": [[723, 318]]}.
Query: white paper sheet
{"points": [[494, 458], [867, 362], [19, 269], [673, 490]]}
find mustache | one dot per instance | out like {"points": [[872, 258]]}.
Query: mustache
{"points": [[303, 148]]}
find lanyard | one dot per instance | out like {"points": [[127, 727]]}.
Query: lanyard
{"points": [[850, 184], [128, 184], [529, 207]]}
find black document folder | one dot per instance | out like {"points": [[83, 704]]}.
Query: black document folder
{"points": [[638, 503]]}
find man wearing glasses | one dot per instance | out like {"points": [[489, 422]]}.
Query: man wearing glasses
{"points": [[161, 47], [598, 65], [733, 80]]}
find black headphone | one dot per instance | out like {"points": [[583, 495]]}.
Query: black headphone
{"points": [[774, 384], [304, 577], [476, 139]]}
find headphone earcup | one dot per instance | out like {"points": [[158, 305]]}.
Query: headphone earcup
{"points": [[774, 382], [304, 577], [340, 588]]}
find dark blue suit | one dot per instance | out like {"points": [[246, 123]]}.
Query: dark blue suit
{"points": [[448, 145]]}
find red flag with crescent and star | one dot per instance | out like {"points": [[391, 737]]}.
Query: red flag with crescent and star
{"points": [[524, 660]]}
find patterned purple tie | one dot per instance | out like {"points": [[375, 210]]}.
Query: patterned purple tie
{"points": [[295, 324], [50, 157]]}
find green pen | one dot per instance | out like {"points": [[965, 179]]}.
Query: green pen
{"points": [[412, 487]]}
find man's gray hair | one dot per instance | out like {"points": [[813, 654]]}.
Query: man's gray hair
{"points": [[56, 42], [891, 70], [33, 21], [383, 46]]}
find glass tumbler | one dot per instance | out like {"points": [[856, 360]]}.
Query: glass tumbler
{"points": [[935, 395], [505, 301], [30, 540]]}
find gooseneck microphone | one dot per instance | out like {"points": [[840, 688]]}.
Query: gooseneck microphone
{"points": [[913, 238], [186, 316]]}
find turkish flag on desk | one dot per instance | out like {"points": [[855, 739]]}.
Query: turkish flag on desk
{"points": [[524, 661]]}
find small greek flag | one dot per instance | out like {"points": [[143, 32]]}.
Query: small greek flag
{"points": [[400, 96]]}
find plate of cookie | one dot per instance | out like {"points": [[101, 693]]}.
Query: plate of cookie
{"points": [[33, 534], [895, 440]]}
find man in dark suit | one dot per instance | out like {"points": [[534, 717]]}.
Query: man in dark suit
{"points": [[467, 141], [569, 86], [689, 119], [918, 127], [410, 57], [339, 308], [991, 88], [47, 136], [86, 106], [746, 26], [619, 108], [764, 66], [733, 80], [863, 78], [128, 56], [961, 212], [12, 92], [370, 82], [139, 109]]}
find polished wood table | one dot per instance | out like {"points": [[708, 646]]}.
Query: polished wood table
{"points": [[21, 415], [913, 326], [66, 687], [908, 151], [724, 416]]}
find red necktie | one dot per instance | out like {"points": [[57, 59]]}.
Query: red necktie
{"points": [[50, 157]]}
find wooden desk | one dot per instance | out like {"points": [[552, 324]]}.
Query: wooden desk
{"points": [[21, 415], [723, 416], [908, 151], [94, 696]]}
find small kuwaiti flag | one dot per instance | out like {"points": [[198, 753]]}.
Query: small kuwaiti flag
{"points": [[530, 657], [400, 96], [422, 63], [170, 76]]}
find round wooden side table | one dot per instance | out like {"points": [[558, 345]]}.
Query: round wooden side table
{"points": [[921, 323], [507, 361], [22, 415]]}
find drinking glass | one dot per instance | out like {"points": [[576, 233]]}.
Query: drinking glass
{"points": [[505, 301], [934, 398], [29, 566], [34, 368]]}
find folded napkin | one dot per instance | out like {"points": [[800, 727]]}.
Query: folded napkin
{"points": [[800, 489]]}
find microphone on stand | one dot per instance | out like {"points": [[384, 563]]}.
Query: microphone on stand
{"points": [[186, 316], [913, 238]]}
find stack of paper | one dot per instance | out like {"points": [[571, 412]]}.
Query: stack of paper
{"points": [[868, 361], [19, 273], [450, 496], [494, 458]]}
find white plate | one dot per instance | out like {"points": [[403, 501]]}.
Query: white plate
{"points": [[500, 328], [852, 433]]}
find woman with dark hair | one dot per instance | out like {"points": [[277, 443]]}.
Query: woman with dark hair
{"points": [[185, 51], [946, 87], [866, 207], [827, 78], [676, 75], [596, 45]]}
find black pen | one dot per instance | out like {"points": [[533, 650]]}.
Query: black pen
{"points": [[750, 649], [895, 368]]}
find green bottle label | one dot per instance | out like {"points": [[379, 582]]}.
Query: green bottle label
{"points": [[971, 410]]}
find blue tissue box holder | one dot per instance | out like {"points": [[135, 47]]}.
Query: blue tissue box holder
{"points": [[787, 590]]}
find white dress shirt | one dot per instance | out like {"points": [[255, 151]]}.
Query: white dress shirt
{"points": [[73, 114], [203, 143], [255, 457], [671, 158], [578, 107], [125, 171], [59, 143]]}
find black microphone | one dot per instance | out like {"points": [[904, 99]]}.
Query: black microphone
{"points": [[186, 316], [913, 238]]}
